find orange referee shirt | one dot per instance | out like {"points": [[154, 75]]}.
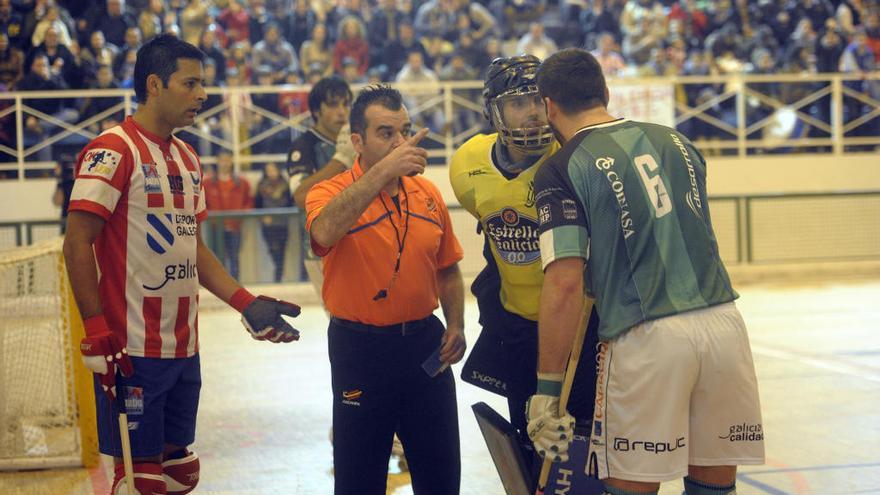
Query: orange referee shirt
{"points": [[362, 261]]}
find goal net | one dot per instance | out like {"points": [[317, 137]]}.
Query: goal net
{"points": [[46, 402]]}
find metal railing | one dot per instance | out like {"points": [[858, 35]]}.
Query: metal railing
{"points": [[736, 115]]}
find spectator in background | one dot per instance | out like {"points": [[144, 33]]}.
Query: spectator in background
{"points": [[59, 56], [239, 58], [480, 22], [125, 71], [192, 21], [258, 18], [299, 24], [315, 53], [132, 42], [95, 105], [421, 87], [51, 20], [383, 27], [12, 25], [351, 73], [468, 48], [458, 70], [11, 62], [691, 16], [225, 190], [352, 44], [435, 52], [872, 33], [612, 62], [829, 48], [536, 43], [235, 21], [638, 43], [274, 192], [212, 50], [275, 53], [43, 77], [598, 19], [114, 22], [98, 52], [435, 17], [151, 19], [395, 51]]}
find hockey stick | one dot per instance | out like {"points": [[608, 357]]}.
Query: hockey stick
{"points": [[126, 454], [570, 370]]}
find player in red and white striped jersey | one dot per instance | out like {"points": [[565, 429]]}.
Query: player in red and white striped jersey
{"points": [[136, 259]]}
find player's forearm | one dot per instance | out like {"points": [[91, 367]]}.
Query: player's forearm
{"points": [[332, 168], [336, 219], [82, 270], [451, 290], [562, 301], [212, 275]]}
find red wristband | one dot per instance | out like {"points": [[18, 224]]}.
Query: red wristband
{"points": [[96, 325], [241, 299]]}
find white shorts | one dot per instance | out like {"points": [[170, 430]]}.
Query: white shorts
{"points": [[676, 391]]}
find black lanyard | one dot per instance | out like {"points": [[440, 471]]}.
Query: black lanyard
{"points": [[401, 240]]}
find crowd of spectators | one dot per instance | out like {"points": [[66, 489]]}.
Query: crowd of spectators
{"points": [[72, 44]]}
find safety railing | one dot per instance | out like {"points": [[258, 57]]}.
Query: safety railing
{"points": [[736, 115]]}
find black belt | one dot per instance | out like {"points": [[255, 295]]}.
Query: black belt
{"points": [[404, 328]]}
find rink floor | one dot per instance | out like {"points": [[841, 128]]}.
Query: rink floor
{"points": [[265, 409]]}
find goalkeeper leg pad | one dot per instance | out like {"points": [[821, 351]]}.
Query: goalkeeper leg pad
{"points": [[147, 479], [181, 473]]}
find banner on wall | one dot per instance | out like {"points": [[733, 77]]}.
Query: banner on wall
{"points": [[653, 103]]}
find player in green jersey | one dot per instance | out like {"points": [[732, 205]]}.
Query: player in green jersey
{"points": [[624, 218]]}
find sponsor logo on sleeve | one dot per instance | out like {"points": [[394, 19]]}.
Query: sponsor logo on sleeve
{"points": [[569, 209], [100, 162], [544, 215], [295, 156]]}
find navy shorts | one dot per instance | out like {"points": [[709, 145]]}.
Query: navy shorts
{"points": [[161, 400]]}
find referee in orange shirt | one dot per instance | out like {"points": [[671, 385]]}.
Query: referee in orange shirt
{"points": [[389, 254]]}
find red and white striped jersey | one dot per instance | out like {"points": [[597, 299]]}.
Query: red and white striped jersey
{"points": [[149, 190]]}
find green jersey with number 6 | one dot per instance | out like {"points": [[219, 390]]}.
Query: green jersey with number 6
{"points": [[630, 198]]}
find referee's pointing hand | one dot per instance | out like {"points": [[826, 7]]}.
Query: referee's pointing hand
{"points": [[408, 158]]}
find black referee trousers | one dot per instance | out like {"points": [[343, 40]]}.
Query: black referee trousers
{"points": [[379, 388]]}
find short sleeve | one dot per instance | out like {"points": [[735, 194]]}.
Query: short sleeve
{"points": [[103, 171], [462, 186], [319, 195], [563, 225]]}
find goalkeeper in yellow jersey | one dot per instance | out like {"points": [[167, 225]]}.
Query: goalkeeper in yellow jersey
{"points": [[493, 178]]}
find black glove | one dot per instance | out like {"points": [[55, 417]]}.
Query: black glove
{"points": [[262, 318]]}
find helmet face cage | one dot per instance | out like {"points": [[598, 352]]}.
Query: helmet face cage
{"points": [[532, 140], [512, 78]]}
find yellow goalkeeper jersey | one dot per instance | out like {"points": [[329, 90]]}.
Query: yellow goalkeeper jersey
{"points": [[506, 211]]}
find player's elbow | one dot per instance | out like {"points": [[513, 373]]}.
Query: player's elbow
{"points": [[322, 234]]}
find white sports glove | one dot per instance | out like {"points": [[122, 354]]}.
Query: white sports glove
{"points": [[550, 433], [344, 149]]}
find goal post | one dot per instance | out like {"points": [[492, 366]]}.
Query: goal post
{"points": [[47, 411]]}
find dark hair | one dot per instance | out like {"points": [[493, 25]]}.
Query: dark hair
{"points": [[379, 94], [327, 89], [159, 56], [573, 79]]}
